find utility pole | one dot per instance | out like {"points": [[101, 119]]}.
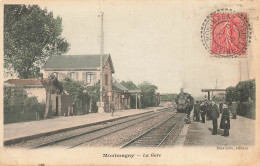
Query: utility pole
{"points": [[101, 104], [247, 71], [239, 70]]}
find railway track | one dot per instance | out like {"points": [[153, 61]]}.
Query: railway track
{"points": [[158, 134], [99, 132]]}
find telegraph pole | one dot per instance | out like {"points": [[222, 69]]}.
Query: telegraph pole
{"points": [[101, 106], [247, 71], [240, 70]]}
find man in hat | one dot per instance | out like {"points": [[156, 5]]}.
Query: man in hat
{"points": [[203, 111], [196, 111], [214, 116], [112, 108], [234, 110]]}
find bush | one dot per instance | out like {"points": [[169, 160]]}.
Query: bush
{"points": [[18, 107], [246, 109], [244, 91], [148, 94], [77, 90]]}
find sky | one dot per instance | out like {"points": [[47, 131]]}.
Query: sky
{"points": [[155, 42]]}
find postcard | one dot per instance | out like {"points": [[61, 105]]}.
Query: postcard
{"points": [[130, 82]]}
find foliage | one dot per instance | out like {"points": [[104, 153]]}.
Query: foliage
{"points": [[231, 94], [169, 97], [246, 109], [77, 90], [129, 85], [94, 91], [51, 85], [31, 35], [242, 92], [19, 107], [246, 90], [148, 94]]}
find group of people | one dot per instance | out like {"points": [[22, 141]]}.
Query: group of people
{"points": [[211, 111]]}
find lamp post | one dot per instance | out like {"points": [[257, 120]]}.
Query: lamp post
{"points": [[101, 104]]}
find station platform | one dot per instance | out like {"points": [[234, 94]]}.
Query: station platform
{"points": [[24, 130], [242, 132]]}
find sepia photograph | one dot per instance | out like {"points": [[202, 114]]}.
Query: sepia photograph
{"points": [[130, 82]]}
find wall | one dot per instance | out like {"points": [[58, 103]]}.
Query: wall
{"points": [[121, 103], [64, 102], [64, 74], [40, 93]]}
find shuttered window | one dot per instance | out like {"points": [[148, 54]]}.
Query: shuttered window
{"points": [[90, 77], [74, 76]]}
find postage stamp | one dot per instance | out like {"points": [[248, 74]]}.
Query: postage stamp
{"points": [[226, 33]]}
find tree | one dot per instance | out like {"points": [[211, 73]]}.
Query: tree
{"points": [[231, 94], [169, 97], [51, 85], [18, 106], [129, 85], [77, 90], [245, 90], [94, 91], [31, 35], [148, 94], [94, 94], [242, 92]]}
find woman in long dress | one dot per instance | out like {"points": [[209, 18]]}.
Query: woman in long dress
{"points": [[225, 120]]}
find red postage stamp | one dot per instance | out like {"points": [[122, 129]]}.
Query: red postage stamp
{"points": [[226, 33], [229, 34]]}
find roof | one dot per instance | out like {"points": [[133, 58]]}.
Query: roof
{"points": [[23, 82], [76, 62], [119, 87], [207, 90]]}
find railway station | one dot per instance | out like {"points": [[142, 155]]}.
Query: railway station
{"points": [[127, 128]]}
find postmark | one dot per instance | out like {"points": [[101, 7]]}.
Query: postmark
{"points": [[226, 33]]}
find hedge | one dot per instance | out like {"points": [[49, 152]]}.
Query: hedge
{"points": [[246, 109], [18, 107]]}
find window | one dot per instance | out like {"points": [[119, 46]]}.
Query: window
{"points": [[90, 78], [73, 76], [106, 79]]}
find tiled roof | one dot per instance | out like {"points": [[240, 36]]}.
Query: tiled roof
{"points": [[23, 82], [66, 62], [119, 87]]}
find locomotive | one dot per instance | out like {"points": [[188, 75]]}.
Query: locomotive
{"points": [[183, 100]]}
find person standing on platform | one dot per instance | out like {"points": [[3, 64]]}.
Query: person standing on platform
{"points": [[112, 108], [187, 111], [221, 107], [209, 110], [225, 121], [234, 110], [196, 111], [215, 116], [203, 111]]}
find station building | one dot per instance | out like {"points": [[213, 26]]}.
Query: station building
{"points": [[86, 68]]}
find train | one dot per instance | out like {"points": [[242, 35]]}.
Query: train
{"points": [[183, 100]]}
